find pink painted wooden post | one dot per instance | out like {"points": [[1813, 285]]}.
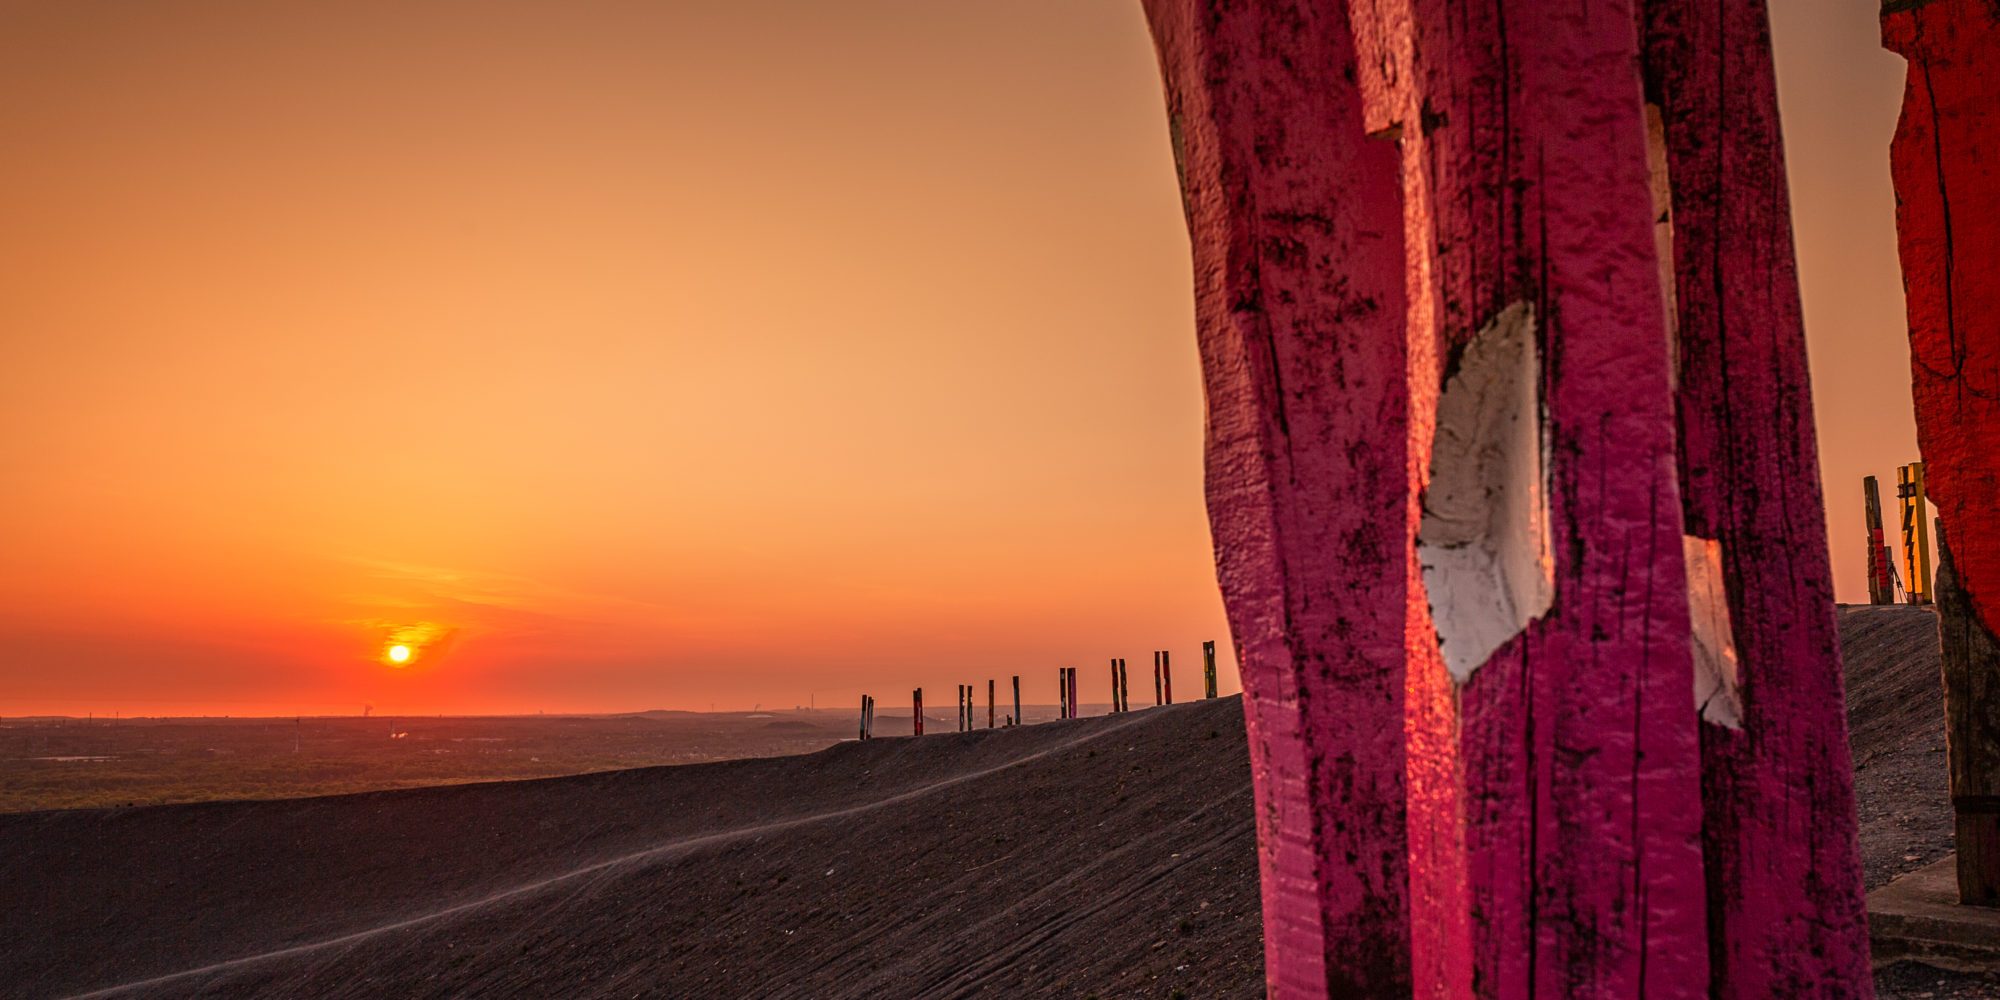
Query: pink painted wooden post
{"points": [[1559, 775], [1512, 726], [1299, 313], [1783, 867]]}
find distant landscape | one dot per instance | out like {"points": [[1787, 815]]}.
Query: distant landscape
{"points": [[63, 763]]}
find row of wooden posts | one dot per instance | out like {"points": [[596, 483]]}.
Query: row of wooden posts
{"points": [[1066, 694], [1915, 580]]}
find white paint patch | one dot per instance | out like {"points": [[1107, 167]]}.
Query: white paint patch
{"points": [[1715, 689], [1484, 541]]}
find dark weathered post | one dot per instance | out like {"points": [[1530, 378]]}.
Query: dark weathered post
{"points": [[989, 703], [1062, 692], [1971, 662], [1116, 704], [1167, 674], [1074, 710], [1159, 695], [917, 712], [1208, 668], [1879, 589], [1017, 699]]}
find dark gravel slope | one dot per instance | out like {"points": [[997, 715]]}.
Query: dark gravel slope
{"points": [[1111, 855]]}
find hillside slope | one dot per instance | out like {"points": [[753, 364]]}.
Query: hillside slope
{"points": [[1111, 855]]}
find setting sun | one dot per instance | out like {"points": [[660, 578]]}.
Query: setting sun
{"points": [[399, 654]]}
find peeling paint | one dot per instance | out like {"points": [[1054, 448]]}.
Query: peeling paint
{"points": [[1715, 683], [1484, 539]]}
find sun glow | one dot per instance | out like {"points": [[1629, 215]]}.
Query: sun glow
{"points": [[399, 654]]}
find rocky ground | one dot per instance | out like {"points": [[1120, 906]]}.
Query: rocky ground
{"points": [[1895, 718]]}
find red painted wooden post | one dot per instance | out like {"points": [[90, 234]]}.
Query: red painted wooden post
{"points": [[1948, 233], [1299, 314]]}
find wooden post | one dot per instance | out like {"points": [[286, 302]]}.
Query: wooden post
{"points": [[1879, 589], [1948, 235], [1017, 700], [1167, 674], [1159, 697], [917, 712], [1971, 659], [1062, 692], [989, 703], [864, 718], [1916, 533], [1116, 705], [1074, 711], [1208, 668]]}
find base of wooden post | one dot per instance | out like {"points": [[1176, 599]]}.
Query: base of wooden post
{"points": [[1918, 918]]}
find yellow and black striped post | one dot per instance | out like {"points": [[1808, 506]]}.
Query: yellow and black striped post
{"points": [[1208, 666], [1916, 533]]}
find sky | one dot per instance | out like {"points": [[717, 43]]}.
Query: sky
{"points": [[626, 355]]}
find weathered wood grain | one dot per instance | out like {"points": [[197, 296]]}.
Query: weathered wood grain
{"points": [[1299, 310], [1783, 868]]}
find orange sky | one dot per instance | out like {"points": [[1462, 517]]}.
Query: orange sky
{"points": [[629, 355]]}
